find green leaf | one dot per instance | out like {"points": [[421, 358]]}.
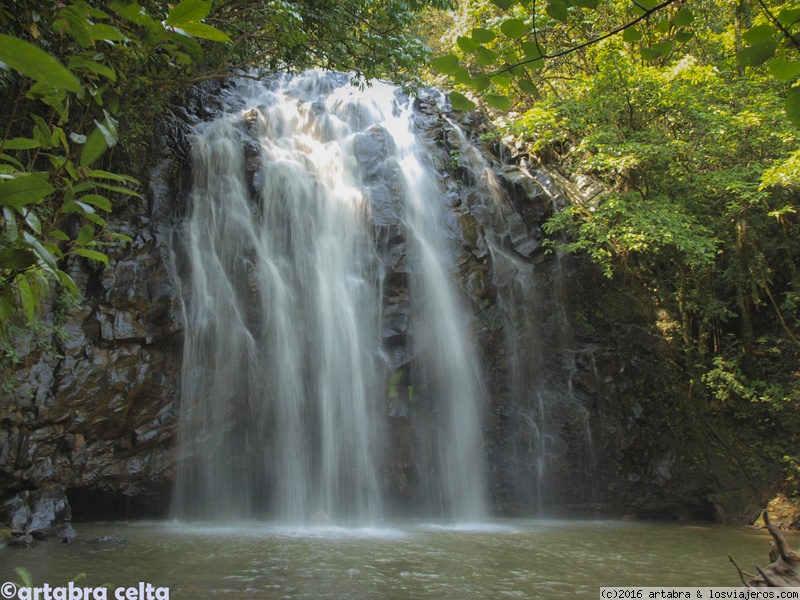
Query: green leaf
{"points": [[26, 297], [36, 64], [21, 144], [684, 35], [92, 255], [532, 50], [486, 57], [445, 64], [462, 76], [590, 4], [93, 66], [102, 137], [135, 14], [558, 10], [499, 102], [206, 32], [649, 54], [43, 253], [663, 48], [21, 191], [85, 235], [42, 132], [528, 87], [17, 259], [784, 70], [631, 34], [66, 281], [59, 235], [513, 28], [461, 102], [117, 188], [683, 18], [482, 82], [100, 174], [663, 25], [188, 11], [501, 81], [467, 44], [483, 36], [792, 105], [109, 33], [788, 16], [503, 4], [757, 54], [758, 34]]}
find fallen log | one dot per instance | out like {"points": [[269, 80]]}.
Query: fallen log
{"points": [[783, 571]]}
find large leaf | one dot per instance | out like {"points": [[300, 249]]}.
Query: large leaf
{"points": [[467, 44], [792, 105], [486, 57], [759, 33], [36, 64], [504, 4], [461, 102], [483, 36], [784, 70], [513, 28], [683, 18], [631, 34], [445, 64], [101, 139], [92, 255], [498, 102], [85, 235], [17, 259], [188, 11], [21, 191], [558, 11], [205, 32], [757, 54], [21, 144]]}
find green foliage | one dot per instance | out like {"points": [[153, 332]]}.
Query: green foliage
{"points": [[82, 75], [687, 114]]}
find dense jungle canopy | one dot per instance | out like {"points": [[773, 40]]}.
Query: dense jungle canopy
{"points": [[686, 112]]}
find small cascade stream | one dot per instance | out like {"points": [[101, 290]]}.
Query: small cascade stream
{"points": [[285, 373]]}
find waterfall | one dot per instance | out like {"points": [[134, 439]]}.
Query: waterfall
{"points": [[282, 275]]}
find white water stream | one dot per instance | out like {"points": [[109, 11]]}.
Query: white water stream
{"points": [[284, 374]]}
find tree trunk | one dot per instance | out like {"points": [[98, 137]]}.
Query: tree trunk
{"points": [[783, 571]]}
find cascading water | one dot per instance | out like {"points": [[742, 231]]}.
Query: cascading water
{"points": [[281, 278], [540, 357]]}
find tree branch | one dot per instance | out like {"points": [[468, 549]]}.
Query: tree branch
{"points": [[587, 43]]}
